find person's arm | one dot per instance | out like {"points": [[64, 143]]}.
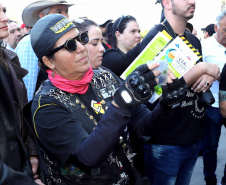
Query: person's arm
{"points": [[58, 130], [222, 102], [143, 120], [222, 92], [34, 165], [102, 140], [173, 92], [201, 73], [29, 141], [95, 148]]}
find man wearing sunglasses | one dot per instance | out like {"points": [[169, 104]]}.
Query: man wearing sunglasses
{"points": [[172, 151], [28, 60]]}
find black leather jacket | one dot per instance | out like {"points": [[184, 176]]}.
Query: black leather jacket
{"points": [[16, 74], [13, 153]]}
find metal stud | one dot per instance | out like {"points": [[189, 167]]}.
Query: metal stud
{"points": [[77, 101], [99, 95]]}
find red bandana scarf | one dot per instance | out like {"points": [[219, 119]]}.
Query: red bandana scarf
{"points": [[76, 86]]}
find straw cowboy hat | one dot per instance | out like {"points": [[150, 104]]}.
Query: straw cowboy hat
{"points": [[30, 14]]}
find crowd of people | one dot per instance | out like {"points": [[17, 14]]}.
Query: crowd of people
{"points": [[67, 117]]}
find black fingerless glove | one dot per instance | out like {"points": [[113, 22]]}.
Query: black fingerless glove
{"points": [[173, 93], [137, 88]]}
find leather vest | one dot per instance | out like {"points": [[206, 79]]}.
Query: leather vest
{"points": [[103, 86]]}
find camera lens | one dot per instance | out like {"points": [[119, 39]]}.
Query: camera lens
{"points": [[206, 98]]}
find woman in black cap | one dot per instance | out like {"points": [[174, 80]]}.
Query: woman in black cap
{"points": [[81, 129]]}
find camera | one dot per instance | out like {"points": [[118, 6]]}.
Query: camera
{"points": [[206, 98]]}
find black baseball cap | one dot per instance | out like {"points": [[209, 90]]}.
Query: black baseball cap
{"points": [[47, 31], [209, 29]]}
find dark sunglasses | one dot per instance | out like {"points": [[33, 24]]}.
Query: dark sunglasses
{"points": [[123, 16], [71, 44]]}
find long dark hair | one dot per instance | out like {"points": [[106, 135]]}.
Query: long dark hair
{"points": [[108, 33], [2, 59], [119, 25]]}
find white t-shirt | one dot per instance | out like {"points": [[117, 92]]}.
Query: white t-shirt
{"points": [[213, 52]]}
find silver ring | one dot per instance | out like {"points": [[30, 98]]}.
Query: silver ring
{"points": [[207, 83]]}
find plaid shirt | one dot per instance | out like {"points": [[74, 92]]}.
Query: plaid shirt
{"points": [[29, 61]]}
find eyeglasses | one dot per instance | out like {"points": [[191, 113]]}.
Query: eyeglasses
{"points": [[71, 44], [123, 16]]}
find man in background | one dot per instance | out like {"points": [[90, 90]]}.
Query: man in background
{"points": [[171, 153], [30, 15], [214, 48], [208, 31], [15, 34]]}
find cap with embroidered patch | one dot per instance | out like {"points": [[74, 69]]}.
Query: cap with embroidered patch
{"points": [[47, 31]]}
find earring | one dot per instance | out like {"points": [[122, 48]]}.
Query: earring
{"points": [[53, 74]]}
